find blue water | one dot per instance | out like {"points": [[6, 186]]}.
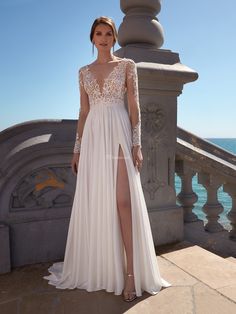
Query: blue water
{"points": [[230, 145]]}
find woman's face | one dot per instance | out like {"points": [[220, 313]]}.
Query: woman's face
{"points": [[103, 37]]}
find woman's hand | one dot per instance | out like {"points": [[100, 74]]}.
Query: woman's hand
{"points": [[75, 163], [137, 157]]}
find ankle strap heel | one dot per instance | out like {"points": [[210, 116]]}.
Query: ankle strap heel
{"points": [[129, 296], [130, 275]]}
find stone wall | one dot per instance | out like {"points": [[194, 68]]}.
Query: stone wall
{"points": [[36, 191]]}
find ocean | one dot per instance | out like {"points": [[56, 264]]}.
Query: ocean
{"points": [[227, 144]]}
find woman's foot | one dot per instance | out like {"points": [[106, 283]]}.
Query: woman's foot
{"points": [[129, 293]]}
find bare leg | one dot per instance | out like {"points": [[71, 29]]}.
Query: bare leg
{"points": [[124, 210]]}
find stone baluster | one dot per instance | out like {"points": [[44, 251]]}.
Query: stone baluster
{"points": [[212, 207], [187, 197], [231, 190]]}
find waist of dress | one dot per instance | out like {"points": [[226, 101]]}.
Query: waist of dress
{"points": [[118, 103]]}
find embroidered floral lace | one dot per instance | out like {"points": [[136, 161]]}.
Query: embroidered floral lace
{"points": [[77, 143], [122, 78], [134, 98], [78, 138]]}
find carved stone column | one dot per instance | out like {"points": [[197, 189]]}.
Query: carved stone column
{"points": [[230, 189], [187, 197], [212, 207], [161, 79]]}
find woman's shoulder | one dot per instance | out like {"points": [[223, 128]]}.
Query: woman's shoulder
{"points": [[130, 65], [81, 69], [127, 60]]}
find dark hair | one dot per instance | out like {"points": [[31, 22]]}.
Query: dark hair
{"points": [[107, 21]]}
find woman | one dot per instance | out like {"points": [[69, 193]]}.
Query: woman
{"points": [[109, 232]]}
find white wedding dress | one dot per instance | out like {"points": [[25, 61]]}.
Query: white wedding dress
{"points": [[95, 256]]}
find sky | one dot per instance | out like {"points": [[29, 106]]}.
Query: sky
{"points": [[45, 42]]}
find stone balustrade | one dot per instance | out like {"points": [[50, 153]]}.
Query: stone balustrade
{"points": [[215, 168]]}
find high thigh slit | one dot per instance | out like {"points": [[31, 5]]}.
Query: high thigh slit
{"points": [[94, 254], [124, 204]]}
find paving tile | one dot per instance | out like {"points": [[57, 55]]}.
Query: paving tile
{"points": [[209, 301], [207, 267], [173, 274], [43, 303], [24, 280], [24, 291], [78, 301], [171, 300], [229, 292], [10, 307], [231, 259], [110, 303]]}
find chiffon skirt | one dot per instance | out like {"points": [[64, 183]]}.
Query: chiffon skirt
{"points": [[94, 256]]}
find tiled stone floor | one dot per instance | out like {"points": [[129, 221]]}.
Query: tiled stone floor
{"points": [[202, 283]]}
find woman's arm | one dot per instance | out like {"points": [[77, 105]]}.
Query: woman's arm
{"points": [[84, 110], [133, 102], [134, 112]]}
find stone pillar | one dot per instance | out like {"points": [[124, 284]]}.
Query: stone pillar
{"points": [[161, 79]]}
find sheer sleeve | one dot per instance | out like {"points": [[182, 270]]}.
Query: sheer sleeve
{"points": [[133, 102], [83, 112], [81, 82]]}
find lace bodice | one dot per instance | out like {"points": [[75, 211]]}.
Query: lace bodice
{"points": [[113, 88], [123, 78]]}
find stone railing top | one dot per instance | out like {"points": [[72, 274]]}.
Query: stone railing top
{"points": [[28, 126], [208, 147], [31, 133], [205, 156]]}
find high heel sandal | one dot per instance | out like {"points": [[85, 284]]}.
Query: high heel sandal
{"points": [[125, 293]]}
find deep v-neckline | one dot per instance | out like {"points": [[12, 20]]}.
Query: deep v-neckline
{"points": [[101, 90]]}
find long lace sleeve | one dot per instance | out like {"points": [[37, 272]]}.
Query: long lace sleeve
{"points": [[83, 112], [133, 102]]}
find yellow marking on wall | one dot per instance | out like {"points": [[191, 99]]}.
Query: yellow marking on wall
{"points": [[51, 181]]}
